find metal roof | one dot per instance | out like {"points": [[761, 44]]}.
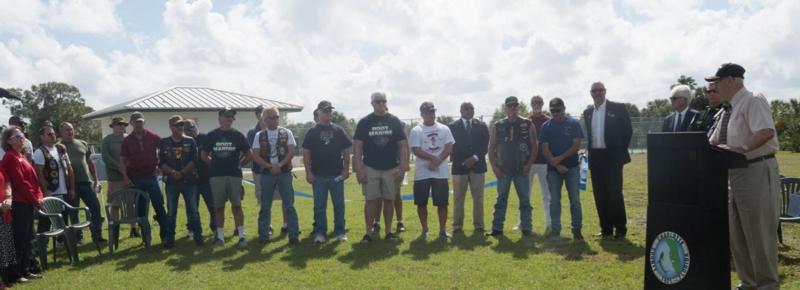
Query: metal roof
{"points": [[191, 99]]}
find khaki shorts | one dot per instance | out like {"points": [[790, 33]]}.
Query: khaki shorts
{"points": [[381, 184], [225, 188], [112, 187]]}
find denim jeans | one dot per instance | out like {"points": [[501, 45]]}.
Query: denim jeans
{"points": [[522, 185], [153, 190], [571, 179], [204, 191], [85, 191], [190, 201], [322, 185], [283, 182]]}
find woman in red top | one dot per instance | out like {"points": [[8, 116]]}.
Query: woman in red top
{"points": [[26, 195], [7, 254]]}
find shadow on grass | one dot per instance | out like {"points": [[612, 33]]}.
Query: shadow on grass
{"points": [[519, 249], [463, 242], [421, 249], [624, 249], [571, 250], [299, 255], [362, 255], [787, 260]]}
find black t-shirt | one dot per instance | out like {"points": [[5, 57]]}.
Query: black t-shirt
{"points": [[326, 144], [202, 167], [225, 149], [380, 135], [177, 155]]}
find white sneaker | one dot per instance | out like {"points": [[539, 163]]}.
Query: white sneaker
{"points": [[320, 239], [342, 238]]}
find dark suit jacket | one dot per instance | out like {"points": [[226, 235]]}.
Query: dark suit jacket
{"points": [[669, 121], [475, 143], [618, 131]]}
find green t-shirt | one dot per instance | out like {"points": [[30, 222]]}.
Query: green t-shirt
{"points": [[78, 150], [112, 145]]}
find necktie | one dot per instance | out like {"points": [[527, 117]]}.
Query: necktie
{"points": [[468, 125], [678, 123], [723, 130]]}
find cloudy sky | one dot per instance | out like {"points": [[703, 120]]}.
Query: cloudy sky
{"points": [[302, 51]]}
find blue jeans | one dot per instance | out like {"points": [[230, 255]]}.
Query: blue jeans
{"points": [[522, 185], [284, 183], [323, 184], [84, 191], [190, 200], [150, 186], [571, 179]]}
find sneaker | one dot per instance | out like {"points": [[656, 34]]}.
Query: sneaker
{"points": [[342, 238], [320, 239], [444, 235], [366, 239], [218, 243], [494, 233], [401, 227], [242, 243], [390, 237], [294, 241]]}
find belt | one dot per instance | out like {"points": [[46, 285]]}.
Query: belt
{"points": [[761, 158]]}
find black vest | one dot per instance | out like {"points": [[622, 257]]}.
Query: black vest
{"points": [[513, 145], [282, 147], [51, 167]]}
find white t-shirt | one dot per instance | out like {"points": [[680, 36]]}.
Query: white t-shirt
{"points": [[38, 159], [432, 140], [272, 137]]}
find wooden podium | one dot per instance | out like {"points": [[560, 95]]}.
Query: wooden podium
{"points": [[687, 212]]}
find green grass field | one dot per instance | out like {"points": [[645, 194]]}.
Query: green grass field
{"points": [[465, 262]]}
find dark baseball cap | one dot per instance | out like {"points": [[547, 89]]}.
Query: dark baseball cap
{"points": [[118, 121], [727, 70], [17, 121], [227, 112], [324, 105], [512, 100], [136, 116], [176, 120], [427, 107]]}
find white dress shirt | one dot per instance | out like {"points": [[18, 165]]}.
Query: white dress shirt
{"points": [[679, 116], [598, 126]]}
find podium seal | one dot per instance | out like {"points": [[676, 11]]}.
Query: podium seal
{"points": [[669, 258]]}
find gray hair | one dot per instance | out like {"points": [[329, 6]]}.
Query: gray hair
{"points": [[269, 108], [682, 91]]}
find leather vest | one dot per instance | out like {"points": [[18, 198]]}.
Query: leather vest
{"points": [[281, 146], [513, 146], [51, 166]]}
